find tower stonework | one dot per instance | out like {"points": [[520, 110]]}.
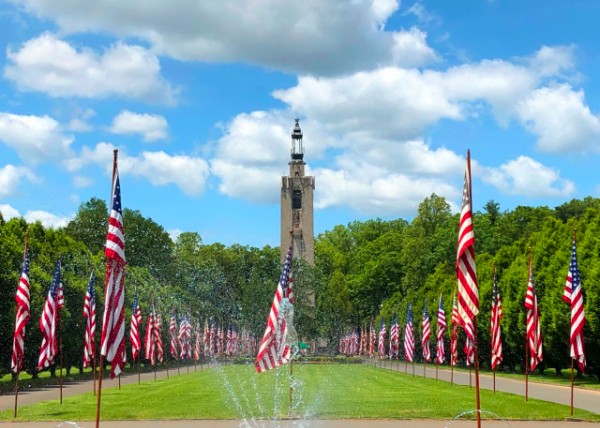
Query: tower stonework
{"points": [[297, 219]]}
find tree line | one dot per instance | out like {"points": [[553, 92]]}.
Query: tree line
{"points": [[364, 271]]}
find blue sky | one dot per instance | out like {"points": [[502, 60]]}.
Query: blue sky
{"points": [[200, 99]]}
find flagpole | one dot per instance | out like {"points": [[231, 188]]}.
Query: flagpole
{"points": [[20, 360], [60, 378], [477, 397], [94, 372], [572, 359], [101, 362], [527, 340]]}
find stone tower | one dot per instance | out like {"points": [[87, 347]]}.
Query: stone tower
{"points": [[297, 205]]}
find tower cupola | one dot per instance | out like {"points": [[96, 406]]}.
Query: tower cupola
{"points": [[297, 148]]}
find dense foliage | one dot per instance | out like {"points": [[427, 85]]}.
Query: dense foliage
{"points": [[364, 272]]}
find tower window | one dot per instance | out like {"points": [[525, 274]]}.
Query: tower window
{"points": [[296, 199]]}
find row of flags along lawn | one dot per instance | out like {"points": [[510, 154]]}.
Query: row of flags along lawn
{"points": [[186, 341]]}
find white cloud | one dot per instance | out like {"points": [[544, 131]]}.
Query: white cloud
{"points": [[159, 168], [527, 177], [11, 176], [50, 65], [151, 127], [34, 138], [369, 191], [8, 212], [560, 118], [47, 219], [320, 37]]}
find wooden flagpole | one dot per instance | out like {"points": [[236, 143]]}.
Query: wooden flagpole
{"points": [[94, 372], [475, 345], [477, 395], [20, 361], [101, 362], [60, 349], [572, 389], [526, 338], [572, 359]]}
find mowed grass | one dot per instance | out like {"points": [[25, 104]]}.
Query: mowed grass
{"points": [[326, 391]]}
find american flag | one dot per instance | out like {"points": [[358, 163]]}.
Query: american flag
{"points": [[112, 344], [534, 335], [184, 337], [89, 312], [158, 340], [441, 329], [354, 342], [574, 297], [220, 339], [495, 329], [426, 325], [197, 345], [394, 338], [468, 294], [469, 351], [54, 301], [381, 344], [372, 339], [23, 313], [149, 340], [229, 341], [409, 340], [173, 335], [213, 338], [206, 339], [363, 341], [134, 329], [271, 354], [454, 337]]}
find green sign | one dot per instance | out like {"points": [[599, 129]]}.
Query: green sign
{"points": [[303, 345]]}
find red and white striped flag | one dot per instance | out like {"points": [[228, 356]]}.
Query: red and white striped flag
{"points": [[89, 313], [440, 354], [409, 340], [134, 328], [23, 315], [372, 339], [48, 320], [495, 329], [454, 336], [426, 333], [533, 335], [574, 297], [112, 343], [272, 352], [468, 293], [173, 335], [149, 339], [382, 334], [157, 337]]}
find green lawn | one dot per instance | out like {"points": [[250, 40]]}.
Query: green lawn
{"points": [[321, 391]]}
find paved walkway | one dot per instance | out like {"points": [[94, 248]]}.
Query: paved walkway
{"points": [[585, 399]]}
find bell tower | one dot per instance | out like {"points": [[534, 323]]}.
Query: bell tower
{"points": [[297, 219]]}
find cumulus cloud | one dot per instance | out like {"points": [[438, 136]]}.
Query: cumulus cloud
{"points": [[321, 37], [151, 127], [527, 177], [375, 192], [560, 119], [47, 219], [10, 178], [53, 66], [159, 168], [34, 138]]}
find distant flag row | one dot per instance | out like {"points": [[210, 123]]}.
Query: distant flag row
{"points": [[360, 341]]}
